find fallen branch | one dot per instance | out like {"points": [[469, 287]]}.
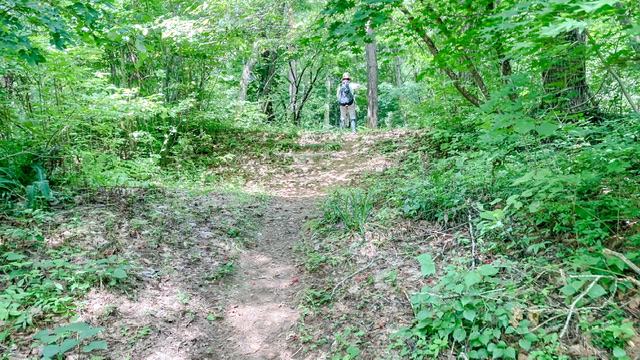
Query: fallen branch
{"points": [[572, 308], [352, 275], [633, 266]]}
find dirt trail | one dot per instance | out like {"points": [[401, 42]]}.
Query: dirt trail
{"points": [[262, 308]]}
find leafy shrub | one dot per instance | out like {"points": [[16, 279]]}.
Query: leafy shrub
{"points": [[485, 311], [37, 289]]}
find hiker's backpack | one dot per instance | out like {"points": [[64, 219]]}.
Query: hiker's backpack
{"points": [[345, 96]]}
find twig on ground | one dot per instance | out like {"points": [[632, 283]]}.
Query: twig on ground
{"points": [[413, 309], [352, 275], [546, 321], [633, 266], [573, 306]]}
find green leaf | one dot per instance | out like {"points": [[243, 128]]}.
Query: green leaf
{"points": [[523, 126], [67, 345], [45, 337], [528, 176], [485, 337], [546, 129], [90, 332], [119, 273], [619, 352], [140, 46], [460, 335], [95, 345], [596, 291], [469, 314], [525, 344], [472, 278], [595, 5], [535, 206], [427, 266], [510, 353], [489, 215], [79, 326], [353, 351], [50, 351], [565, 26], [487, 270], [11, 256]]}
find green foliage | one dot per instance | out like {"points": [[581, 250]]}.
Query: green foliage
{"points": [[463, 307], [350, 209], [37, 290], [63, 22], [64, 339], [489, 311], [348, 342]]}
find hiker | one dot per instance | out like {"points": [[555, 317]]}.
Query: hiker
{"points": [[347, 101]]}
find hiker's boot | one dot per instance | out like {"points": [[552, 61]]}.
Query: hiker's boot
{"points": [[353, 125]]}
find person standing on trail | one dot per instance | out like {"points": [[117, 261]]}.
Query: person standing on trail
{"points": [[347, 100]]}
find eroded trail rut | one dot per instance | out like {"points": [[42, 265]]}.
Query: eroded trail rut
{"points": [[261, 310]]}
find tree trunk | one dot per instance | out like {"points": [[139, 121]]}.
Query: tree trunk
{"points": [[266, 81], [565, 81], [397, 68], [433, 49], [327, 105], [293, 91], [372, 80], [246, 73]]}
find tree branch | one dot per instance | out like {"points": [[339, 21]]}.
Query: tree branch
{"points": [[625, 92], [433, 49]]}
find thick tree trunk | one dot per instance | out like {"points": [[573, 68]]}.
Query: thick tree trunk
{"points": [[565, 81], [372, 81]]}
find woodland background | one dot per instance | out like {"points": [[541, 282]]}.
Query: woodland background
{"points": [[530, 120]]}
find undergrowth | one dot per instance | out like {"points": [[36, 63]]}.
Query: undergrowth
{"points": [[548, 215]]}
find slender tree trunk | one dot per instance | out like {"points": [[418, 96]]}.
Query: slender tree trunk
{"points": [[372, 80], [397, 68], [328, 100], [268, 72], [246, 73], [293, 91]]}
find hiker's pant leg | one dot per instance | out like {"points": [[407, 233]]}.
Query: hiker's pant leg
{"points": [[352, 117], [343, 115], [352, 111]]}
